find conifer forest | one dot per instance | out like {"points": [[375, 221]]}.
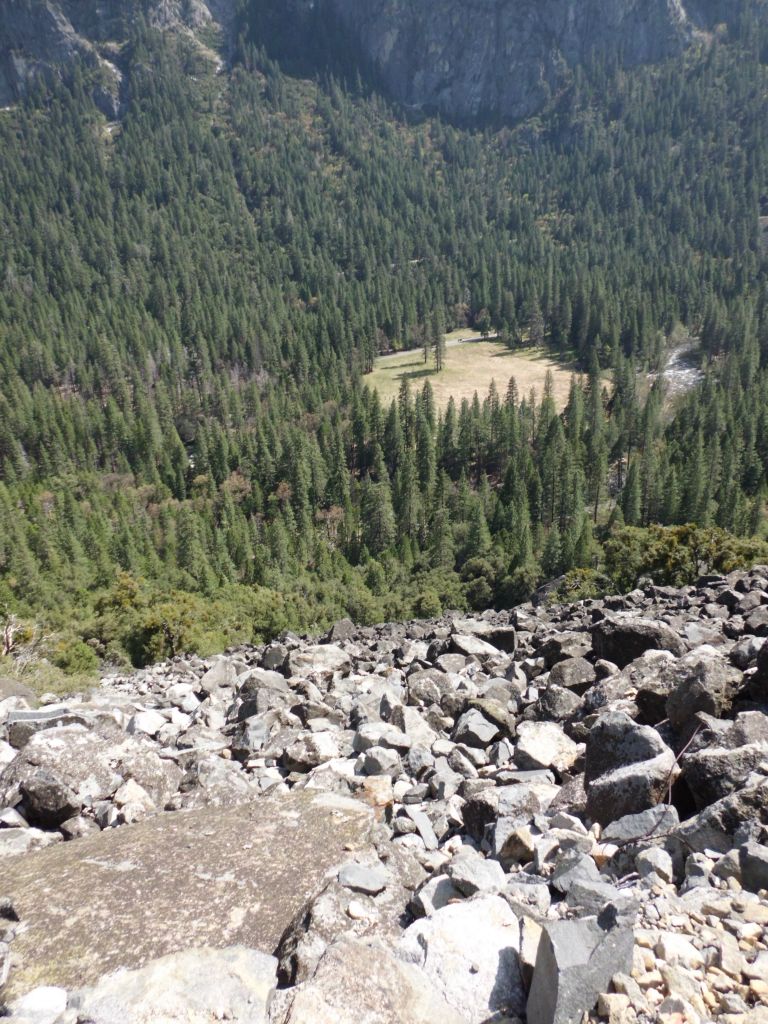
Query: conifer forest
{"points": [[194, 296]]}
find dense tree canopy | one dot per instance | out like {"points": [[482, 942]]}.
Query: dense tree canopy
{"points": [[192, 298]]}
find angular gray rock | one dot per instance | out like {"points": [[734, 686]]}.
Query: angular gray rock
{"points": [[573, 674], [471, 873], [470, 952], [715, 772], [716, 827], [645, 827], [628, 769], [362, 878], [705, 682], [574, 964], [360, 981], [474, 729], [753, 860], [624, 637]]}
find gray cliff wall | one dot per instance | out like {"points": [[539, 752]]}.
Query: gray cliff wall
{"points": [[506, 58], [467, 59]]}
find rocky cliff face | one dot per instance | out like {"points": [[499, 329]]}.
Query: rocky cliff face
{"points": [[506, 58], [40, 37], [467, 59]]}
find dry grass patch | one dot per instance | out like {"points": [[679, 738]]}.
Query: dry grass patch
{"points": [[470, 366]]}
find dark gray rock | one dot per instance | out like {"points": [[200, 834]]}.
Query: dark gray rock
{"points": [[753, 860], [249, 737], [504, 638], [650, 676], [713, 773], [715, 827], [471, 873], [573, 674], [274, 656], [757, 687], [474, 729], [745, 652], [704, 681], [575, 963], [495, 711], [572, 867], [48, 801], [344, 629], [622, 639], [644, 827], [564, 646], [590, 896], [557, 704], [628, 769]]}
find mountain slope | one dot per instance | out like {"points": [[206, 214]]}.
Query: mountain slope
{"points": [[192, 297], [42, 38], [502, 59]]}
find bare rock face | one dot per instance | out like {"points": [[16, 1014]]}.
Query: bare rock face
{"points": [[507, 58], [211, 877], [193, 987], [466, 59], [41, 39]]}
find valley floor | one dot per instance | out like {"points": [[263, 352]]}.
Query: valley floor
{"points": [[471, 363]]}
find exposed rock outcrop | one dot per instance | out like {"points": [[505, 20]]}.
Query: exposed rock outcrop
{"points": [[508, 58], [469, 60], [43, 38]]}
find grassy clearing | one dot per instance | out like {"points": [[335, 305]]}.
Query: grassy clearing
{"points": [[470, 366], [43, 678]]}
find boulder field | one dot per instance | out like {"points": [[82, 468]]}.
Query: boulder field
{"points": [[552, 814]]}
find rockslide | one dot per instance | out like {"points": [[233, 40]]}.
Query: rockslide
{"points": [[554, 813]]}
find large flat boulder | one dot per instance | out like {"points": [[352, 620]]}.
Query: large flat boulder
{"points": [[213, 877], [194, 987]]}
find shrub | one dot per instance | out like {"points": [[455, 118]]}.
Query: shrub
{"points": [[74, 657]]}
